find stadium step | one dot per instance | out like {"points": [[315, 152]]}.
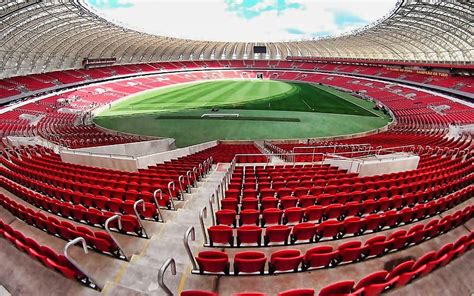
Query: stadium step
{"points": [[4, 291], [140, 274], [121, 290]]}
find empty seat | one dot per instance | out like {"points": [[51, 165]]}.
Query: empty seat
{"points": [[213, 261], [303, 232], [197, 293], [320, 256], [329, 228], [378, 245], [269, 202], [229, 204], [372, 284], [339, 288], [249, 262], [297, 292], [314, 213], [293, 215], [307, 200], [249, 217], [277, 234], [285, 260], [221, 234], [249, 203], [226, 217], [249, 234], [352, 251], [288, 201], [272, 216]]}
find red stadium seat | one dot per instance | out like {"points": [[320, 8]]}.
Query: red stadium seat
{"points": [[226, 217], [320, 256], [221, 234], [249, 234], [213, 261], [303, 232], [197, 293], [285, 260], [297, 292], [339, 288], [272, 216], [277, 234], [249, 262]]}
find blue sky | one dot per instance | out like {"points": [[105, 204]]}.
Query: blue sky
{"points": [[244, 20]]}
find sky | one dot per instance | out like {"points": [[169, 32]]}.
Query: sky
{"points": [[244, 20]]}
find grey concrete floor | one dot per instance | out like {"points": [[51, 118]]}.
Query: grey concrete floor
{"points": [[23, 276]]}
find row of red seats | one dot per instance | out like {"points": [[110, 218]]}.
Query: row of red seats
{"points": [[332, 229], [184, 171], [98, 240], [43, 254], [90, 201], [317, 214], [372, 284], [227, 152], [39, 81], [421, 191], [253, 185], [89, 135], [121, 188], [400, 194], [78, 213], [215, 262], [90, 196]]}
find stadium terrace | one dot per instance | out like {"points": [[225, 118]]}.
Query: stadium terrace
{"points": [[138, 164]]}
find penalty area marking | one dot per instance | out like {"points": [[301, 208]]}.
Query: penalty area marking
{"points": [[220, 115], [310, 108]]}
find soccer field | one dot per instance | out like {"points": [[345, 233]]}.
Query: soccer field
{"points": [[260, 109]]}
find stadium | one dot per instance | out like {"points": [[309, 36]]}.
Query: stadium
{"points": [[143, 163]]}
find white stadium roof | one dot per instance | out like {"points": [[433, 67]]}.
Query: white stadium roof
{"points": [[42, 36]]}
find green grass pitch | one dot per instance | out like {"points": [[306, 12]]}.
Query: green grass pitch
{"points": [[267, 110]]}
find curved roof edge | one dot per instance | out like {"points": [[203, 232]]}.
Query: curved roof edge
{"points": [[34, 42]]}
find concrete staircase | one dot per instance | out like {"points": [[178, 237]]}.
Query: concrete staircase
{"points": [[139, 276], [3, 291]]}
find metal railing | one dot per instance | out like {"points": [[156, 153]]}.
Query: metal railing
{"points": [[107, 229], [88, 279], [161, 275]]}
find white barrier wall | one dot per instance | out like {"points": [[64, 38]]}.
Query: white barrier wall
{"points": [[107, 161], [376, 164], [135, 149], [145, 161], [32, 141], [128, 162]]}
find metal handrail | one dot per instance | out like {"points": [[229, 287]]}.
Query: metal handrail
{"points": [[107, 228], [171, 185], [158, 210], [92, 282], [202, 216], [161, 275], [180, 180], [217, 192], [191, 232], [200, 170], [211, 207], [188, 176], [328, 146], [218, 197], [135, 209], [222, 191], [194, 173], [378, 149]]}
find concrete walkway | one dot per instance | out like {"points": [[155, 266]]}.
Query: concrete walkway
{"points": [[139, 276]]}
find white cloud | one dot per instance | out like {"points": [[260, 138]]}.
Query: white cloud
{"points": [[209, 20]]}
